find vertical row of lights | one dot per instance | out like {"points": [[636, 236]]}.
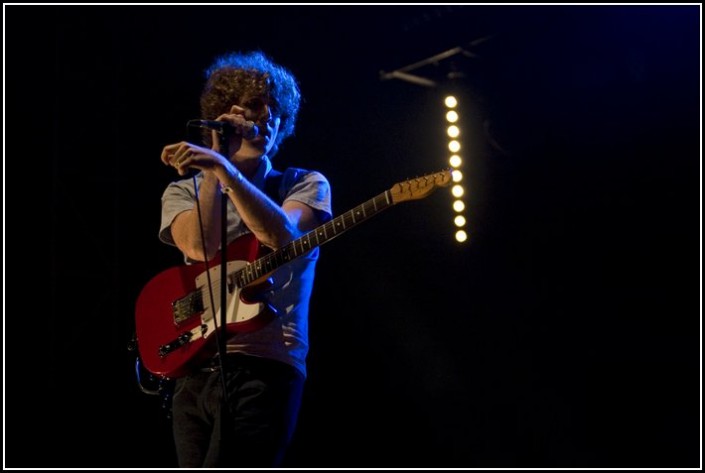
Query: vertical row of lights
{"points": [[456, 163]]}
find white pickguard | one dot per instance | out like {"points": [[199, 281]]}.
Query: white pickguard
{"points": [[237, 310]]}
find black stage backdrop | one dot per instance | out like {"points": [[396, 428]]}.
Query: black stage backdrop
{"points": [[565, 333]]}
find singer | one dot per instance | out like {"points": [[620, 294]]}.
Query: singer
{"points": [[251, 423]]}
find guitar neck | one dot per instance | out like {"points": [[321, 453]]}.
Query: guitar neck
{"points": [[323, 234]]}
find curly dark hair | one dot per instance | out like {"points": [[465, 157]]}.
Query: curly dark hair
{"points": [[236, 75]]}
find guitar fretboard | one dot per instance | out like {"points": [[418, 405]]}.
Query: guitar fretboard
{"points": [[323, 234]]}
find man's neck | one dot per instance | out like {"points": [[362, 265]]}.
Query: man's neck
{"points": [[249, 167]]}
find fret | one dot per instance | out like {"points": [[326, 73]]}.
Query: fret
{"points": [[278, 258], [290, 250]]}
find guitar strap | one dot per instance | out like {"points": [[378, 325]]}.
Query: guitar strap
{"points": [[273, 182]]}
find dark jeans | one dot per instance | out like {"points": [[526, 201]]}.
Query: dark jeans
{"points": [[264, 397]]}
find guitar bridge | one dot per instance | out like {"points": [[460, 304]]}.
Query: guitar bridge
{"points": [[186, 307]]}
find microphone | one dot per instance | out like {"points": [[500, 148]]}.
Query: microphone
{"points": [[248, 130]]}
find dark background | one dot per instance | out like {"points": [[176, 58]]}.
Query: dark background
{"points": [[565, 333]]}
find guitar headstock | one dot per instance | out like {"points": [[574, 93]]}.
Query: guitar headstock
{"points": [[420, 187]]}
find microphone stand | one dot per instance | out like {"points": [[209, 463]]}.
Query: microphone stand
{"points": [[221, 335], [223, 149]]}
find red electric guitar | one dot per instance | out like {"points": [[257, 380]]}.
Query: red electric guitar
{"points": [[174, 317]]}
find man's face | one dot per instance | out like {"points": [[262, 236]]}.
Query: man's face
{"points": [[258, 111]]}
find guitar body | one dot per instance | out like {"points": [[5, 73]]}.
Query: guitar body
{"points": [[174, 315]]}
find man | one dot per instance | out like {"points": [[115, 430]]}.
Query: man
{"points": [[257, 101]]}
